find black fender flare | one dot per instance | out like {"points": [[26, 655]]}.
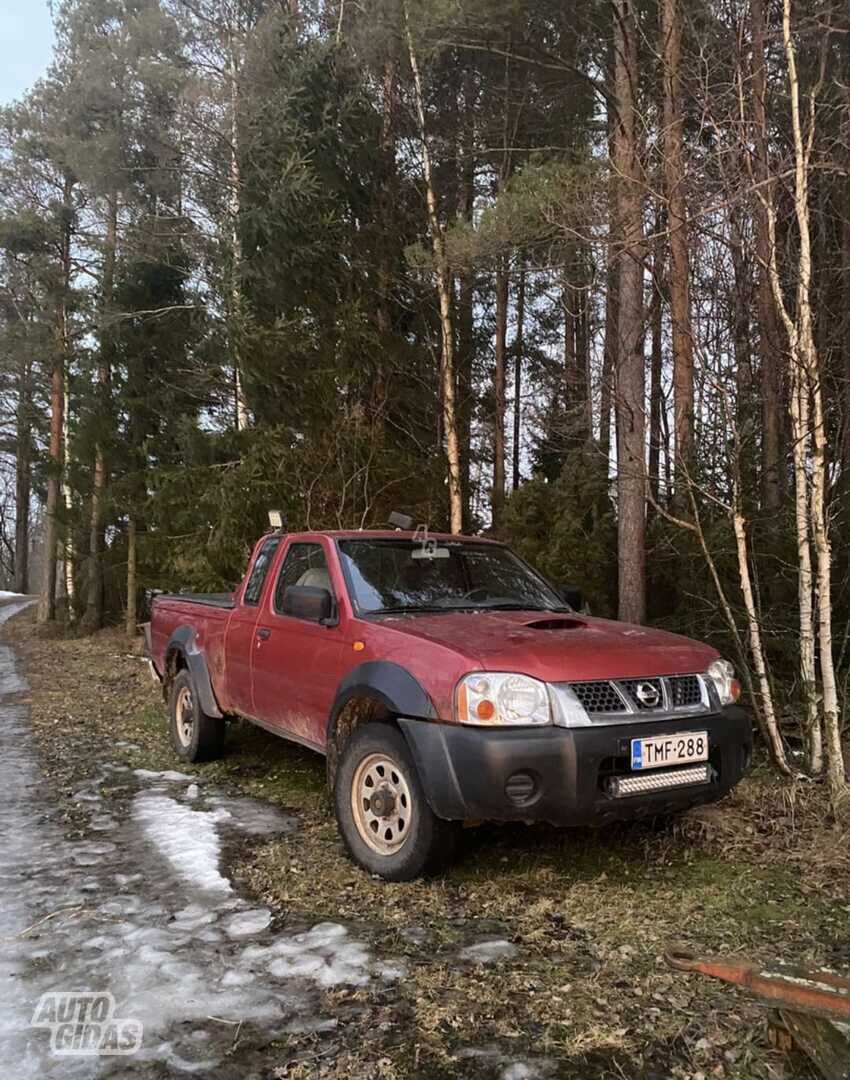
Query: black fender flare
{"points": [[384, 683], [183, 642], [391, 684]]}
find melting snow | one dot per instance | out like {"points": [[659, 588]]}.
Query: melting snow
{"points": [[509, 1068], [485, 952], [148, 915], [187, 838], [519, 1071], [169, 775], [248, 923]]}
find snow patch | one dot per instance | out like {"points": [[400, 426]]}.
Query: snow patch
{"points": [[248, 923], [252, 816], [168, 774], [486, 952], [188, 839], [150, 917], [519, 1070], [324, 954]]}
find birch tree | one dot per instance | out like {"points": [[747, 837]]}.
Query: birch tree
{"points": [[809, 437], [443, 275]]}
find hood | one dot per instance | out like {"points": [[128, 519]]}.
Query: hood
{"points": [[557, 647]]}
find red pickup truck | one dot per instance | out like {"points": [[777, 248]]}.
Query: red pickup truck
{"points": [[446, 681]]}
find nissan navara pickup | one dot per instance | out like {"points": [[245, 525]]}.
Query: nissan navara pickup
{"points": [[447, 682]]}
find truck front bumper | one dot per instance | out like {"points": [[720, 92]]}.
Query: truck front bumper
{"points": [[568, 776]]}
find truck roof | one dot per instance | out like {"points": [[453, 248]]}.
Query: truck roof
{"points": [[390, 534]]}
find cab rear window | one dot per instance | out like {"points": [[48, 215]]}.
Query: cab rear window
{"points": [[260, 569]]}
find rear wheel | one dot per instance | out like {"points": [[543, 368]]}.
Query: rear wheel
{"points": [[194, 735], [383, 816]]}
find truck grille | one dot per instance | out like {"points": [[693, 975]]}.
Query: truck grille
{"points": [[654, 696], [599, 697], [685, 690]]}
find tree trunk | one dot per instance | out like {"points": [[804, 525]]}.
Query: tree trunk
{"points": [[465, 319], [655, 369], [612, 282], [609, 355], [631, 419], [572, 401], [769, 339], [444, 293], [68, 502], [132, 579], [385, 204], [575, 351], [806, 364], [845, 307], [741, 302], [583, 332], [809, 449], [519, 344], [677, 218], [499, 379], [770, 725], [47, 598], [242, 417], [94, 592], [23, 476]]}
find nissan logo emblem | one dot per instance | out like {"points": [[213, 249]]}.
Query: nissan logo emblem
{"points": [[647, 694]]}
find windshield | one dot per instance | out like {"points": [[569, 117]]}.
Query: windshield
{"points": [[399, 576]]}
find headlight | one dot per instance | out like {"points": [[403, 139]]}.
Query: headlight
{"points": [[500, 699], [722, 674]]}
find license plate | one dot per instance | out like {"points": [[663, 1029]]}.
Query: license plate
{"points": [[663, 750]]}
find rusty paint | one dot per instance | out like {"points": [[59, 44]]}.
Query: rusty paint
{"points": [[355, 713], [819, 992]]}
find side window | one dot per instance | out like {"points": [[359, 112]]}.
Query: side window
{"points": [[305, 564], [259, 570]]}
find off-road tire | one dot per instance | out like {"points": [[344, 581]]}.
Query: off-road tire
{"points": [[426, 842], [194, 735]]}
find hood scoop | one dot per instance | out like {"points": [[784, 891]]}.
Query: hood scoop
{"points": [[555, 622]]}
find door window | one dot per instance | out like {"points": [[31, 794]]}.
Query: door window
{"points": [[305, 564], [260, 570]]}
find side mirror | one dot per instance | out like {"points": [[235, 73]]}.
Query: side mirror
{"points": [[572, 595], [308, 602]]}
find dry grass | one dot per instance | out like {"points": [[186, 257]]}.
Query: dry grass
{"points": [[586, 992]]}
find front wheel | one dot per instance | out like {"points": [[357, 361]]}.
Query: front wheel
{"points": [[385, 821], [194, 735]]}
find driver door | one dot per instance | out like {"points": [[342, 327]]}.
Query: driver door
{"points": [[296, 661]]}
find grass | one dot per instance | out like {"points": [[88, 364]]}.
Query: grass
{"points": [[590, 913]]}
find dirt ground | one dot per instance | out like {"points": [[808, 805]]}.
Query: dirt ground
{"points": [[540, 953]]}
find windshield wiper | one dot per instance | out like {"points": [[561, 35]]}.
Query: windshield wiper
{"points": [[517, 606], [417, 609]]}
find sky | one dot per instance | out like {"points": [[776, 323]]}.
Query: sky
{"points": [[26, 39]]}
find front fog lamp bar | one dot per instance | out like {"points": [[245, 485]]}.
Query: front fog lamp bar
{"points": [[502, 699], [619, 787]]}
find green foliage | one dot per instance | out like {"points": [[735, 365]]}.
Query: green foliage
{"points": [[567, 528]]}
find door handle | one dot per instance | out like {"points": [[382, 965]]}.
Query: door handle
{"points": [[264, 633]]}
